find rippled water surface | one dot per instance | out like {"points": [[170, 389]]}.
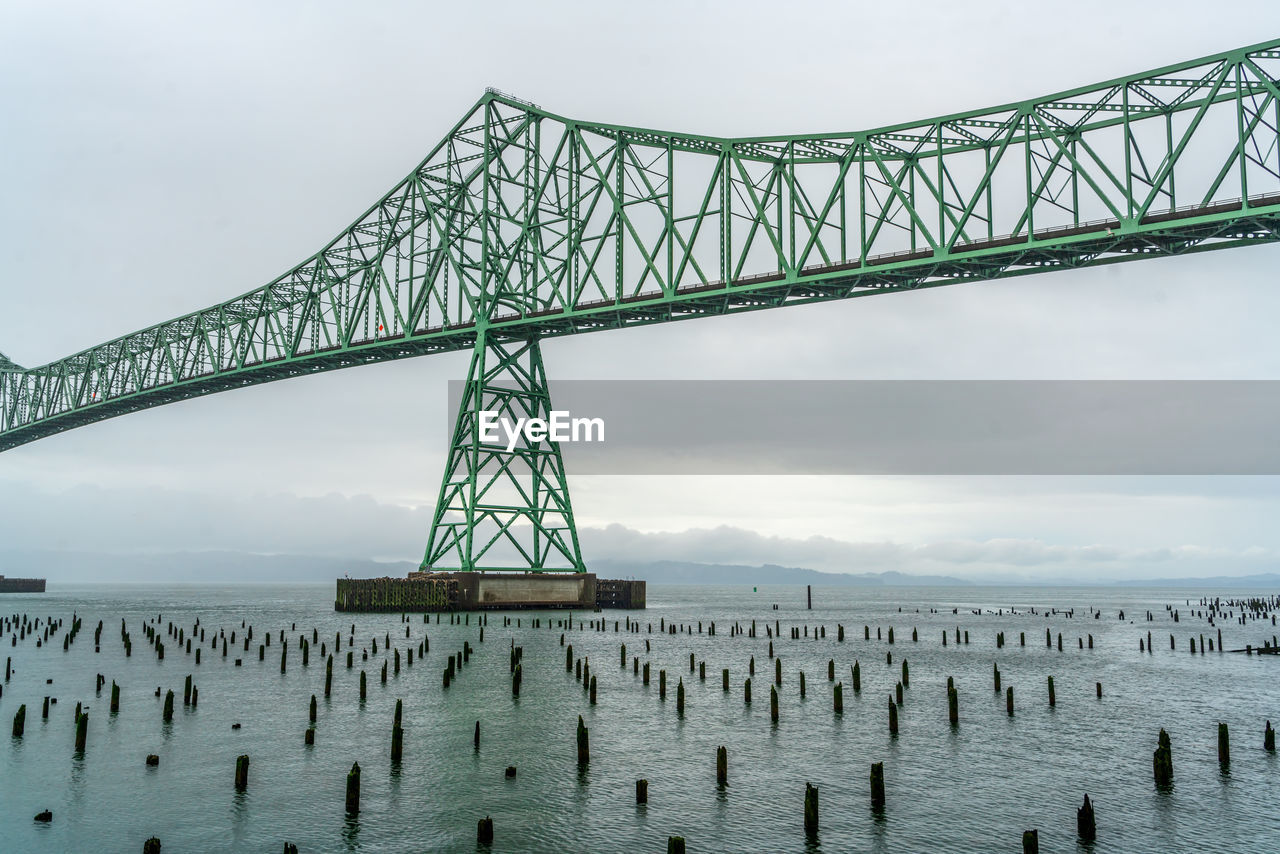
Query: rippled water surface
{"points": [[972, 788]]}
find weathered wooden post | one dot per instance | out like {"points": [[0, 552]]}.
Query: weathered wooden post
{"points": [[722, 765], [1162, 760], [877, 785], [593, 692], [584, 743], [662, 684], [1008, 700], [328, 676], [1052, 699], [168, 706], [746, 691], [773, 703], [839, 698], [151, 846], [115, 698], [1224, 745], [953, 706], [995, 676], [893, 717], [364, 685], [353, 789], [810, 809], [679, 695], [675, 845], [906, 675], [242, 772], [1098, 686], [1086, 826], [82, 731], [1030, 842], [724, 679], [397, 734], [1269, 739], [857, 677]]}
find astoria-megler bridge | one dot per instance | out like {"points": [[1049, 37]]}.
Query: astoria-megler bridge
{"points": [[522, 225]]}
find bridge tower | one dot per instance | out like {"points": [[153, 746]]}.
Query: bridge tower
{"points": [[501, 508]]}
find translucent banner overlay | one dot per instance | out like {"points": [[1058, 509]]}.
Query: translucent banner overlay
{"points": [[917, 427]]}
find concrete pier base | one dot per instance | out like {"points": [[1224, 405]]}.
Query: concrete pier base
{"points": [[476, 591]]}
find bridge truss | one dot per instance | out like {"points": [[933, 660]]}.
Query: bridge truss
{"points": [[522, 225]]}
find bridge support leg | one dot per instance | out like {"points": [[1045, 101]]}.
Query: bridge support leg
{"points": [[503, 509]]}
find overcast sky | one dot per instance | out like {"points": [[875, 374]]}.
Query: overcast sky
{"points": [[161, 157]]}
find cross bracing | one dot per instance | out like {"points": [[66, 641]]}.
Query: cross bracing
{"points": [[523, 224]]}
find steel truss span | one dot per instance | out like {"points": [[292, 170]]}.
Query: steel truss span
{"points": [[529, 225]]}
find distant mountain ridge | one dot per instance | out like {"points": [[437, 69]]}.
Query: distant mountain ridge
{"points": [[688, 572], [228, 567]]}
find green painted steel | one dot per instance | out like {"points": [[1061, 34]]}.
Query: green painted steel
{"points": [[522, 224], [500, 505]]}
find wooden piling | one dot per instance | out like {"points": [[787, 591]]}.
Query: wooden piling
{"points": [[1031, 842], [675, 845], [82, 731], [353, 789], [857, 677], [1052, 698], [642, 791], [364, 685], [1269, 739], [1008, 700], [312, 709], [893, 717], [397, 733], [1224, 745], [484, 831], [877, 785], [1162, 760], [168, 706], [242, 772], [151, 846], [584, 743], [839, 698], [773, 704], [746, 691], [810, 809], [1086, 826], [722, 765], [953, 706]]}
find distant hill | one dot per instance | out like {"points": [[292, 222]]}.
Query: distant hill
{"points": [[67, 567], [1263, 581], [683, 572], [61, 567]]}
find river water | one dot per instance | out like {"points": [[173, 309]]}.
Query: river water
{"points": [[972, 788]]}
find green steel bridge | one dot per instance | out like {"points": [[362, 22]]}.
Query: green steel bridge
{"points": [[522, 225]]}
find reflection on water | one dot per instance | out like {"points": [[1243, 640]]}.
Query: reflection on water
{"points": [[970, 788]]}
